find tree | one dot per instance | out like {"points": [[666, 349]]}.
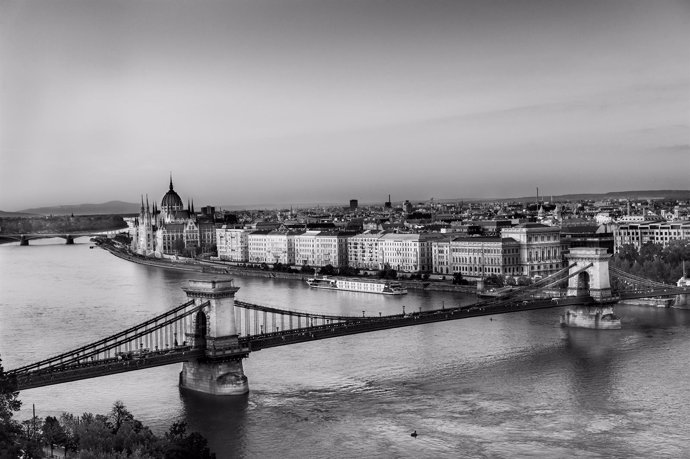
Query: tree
{"points": [[493, 279], [32, 447], [628, 253], [348, 271], [119, 415], [327, 270], [306, 269], [457, 278], [178, 245], [649, 251], [387, 272], [70, 425], [53, 433], [10, 429], [183, 446]]}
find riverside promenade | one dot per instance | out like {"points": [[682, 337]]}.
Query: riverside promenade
{"points": [[219, 267]]}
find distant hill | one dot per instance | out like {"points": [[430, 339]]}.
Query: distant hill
{"points": [[636, 194], [125, 208], [15, 214], [106, 208]]}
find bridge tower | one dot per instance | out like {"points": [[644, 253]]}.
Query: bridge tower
{"points": [[593, 283], [220, 371], [594, 280]]}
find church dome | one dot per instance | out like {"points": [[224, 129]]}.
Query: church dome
{"points": [[171, 201]]}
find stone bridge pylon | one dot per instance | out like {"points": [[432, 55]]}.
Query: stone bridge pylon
{"points": [[592, 281], [220, 371]]}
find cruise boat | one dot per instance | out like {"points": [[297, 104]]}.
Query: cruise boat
{"points": [[496, 292], [358, 285]]}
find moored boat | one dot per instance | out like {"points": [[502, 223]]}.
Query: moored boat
{"points": [[382, 287], [495, 292]]}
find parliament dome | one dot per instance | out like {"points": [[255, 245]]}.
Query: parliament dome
{"points": [[171, 201]]}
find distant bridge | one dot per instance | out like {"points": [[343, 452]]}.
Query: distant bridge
{"points": [[69, 236]]}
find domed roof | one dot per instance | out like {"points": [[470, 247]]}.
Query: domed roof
{"points": [[171, 201]]}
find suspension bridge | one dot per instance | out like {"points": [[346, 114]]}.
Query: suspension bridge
{"points": [[213, 331]]}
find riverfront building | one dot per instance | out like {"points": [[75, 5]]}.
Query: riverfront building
{"points": [[657, 232], [479, 257], [540, 249], [365, 250], [233, 244]]}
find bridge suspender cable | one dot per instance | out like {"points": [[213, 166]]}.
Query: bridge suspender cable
{"points": [[257, 307], [622, 275], [69, 356]]}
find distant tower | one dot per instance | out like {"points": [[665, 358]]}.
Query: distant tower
{"points": [[353, 204], [407, 205], [388, 205]]}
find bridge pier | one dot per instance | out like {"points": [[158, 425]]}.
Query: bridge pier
{"points": [[23, 241], [69, 240], [600, 317], [215, 378], [220, 371]]}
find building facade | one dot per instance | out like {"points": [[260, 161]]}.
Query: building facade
{"points": [[480, 257], [365, 250], [658, 232], [233, 244], [540, 252]]}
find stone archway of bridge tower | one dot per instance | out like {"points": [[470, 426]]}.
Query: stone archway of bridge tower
{"points": [[200, 329], [593, 262]]}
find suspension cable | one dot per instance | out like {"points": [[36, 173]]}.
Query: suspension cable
{"points": [[88, 348]]}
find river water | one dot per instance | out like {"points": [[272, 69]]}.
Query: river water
{"points": [[513, 385]]}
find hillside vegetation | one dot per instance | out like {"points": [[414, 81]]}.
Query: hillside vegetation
{"points": [[60, 224]]}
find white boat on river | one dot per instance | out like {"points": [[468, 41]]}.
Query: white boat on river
{"points": [[383, 287]]}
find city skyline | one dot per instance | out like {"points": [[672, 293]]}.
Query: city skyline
{"points": [[322, 101]]}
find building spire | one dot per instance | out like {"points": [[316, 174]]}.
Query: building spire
{"points": [[171, 187], [192, 205], [142, 203]]}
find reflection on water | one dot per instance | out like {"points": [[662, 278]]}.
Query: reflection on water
{"points": [[506, 386]]}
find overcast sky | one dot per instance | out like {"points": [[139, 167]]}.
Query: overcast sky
{"points": [[295, 101]]}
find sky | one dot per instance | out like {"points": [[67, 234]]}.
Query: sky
{"points": [[315, 101]]}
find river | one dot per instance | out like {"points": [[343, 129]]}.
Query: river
{"points": [[511, 385]]}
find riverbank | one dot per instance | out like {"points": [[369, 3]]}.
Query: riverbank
{"points": [[219, 267]]}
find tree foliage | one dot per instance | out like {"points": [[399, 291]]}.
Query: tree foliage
{"points": [[10, 429], [654, 261], [387, 272], [306, 269], [115, 435], [327, 270], [53, 433]]}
